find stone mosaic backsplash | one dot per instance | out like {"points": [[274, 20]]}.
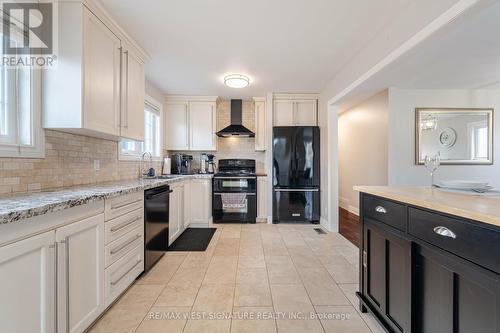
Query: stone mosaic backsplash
{"points": [[69, 161]]}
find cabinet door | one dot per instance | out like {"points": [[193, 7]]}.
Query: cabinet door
{"points": [[80, 274], [283, 113], [187, 204], [202, 126], [260, 126], [262, 198], [27, 285], [201, 201], [176, 126], [454, 295], [132, 91], [306, 113], [101, 105], [174, 213], [386, 274]]}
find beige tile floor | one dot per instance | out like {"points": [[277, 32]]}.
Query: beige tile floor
{"points": [[252, 278]]}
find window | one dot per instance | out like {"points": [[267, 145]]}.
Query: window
{"points": [[130, 149], [21, 134], [478, 133]]}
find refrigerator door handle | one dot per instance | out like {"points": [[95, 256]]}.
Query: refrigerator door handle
{"points": [[296, 190]]}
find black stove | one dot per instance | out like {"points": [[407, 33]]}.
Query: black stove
{"points": [[236, 168], [234, 198]]}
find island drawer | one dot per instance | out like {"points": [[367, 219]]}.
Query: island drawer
{"points": [[468, 240], [386, 211], [123, 204]]}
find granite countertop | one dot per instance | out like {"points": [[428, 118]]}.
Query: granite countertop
{"points": [[476, 207], [14, 208]]}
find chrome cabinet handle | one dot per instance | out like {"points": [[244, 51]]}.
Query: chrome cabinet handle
{"points": [[445, 232], [121, 247], [125, 204], [380, 209], [124, 224], [114, 283]]}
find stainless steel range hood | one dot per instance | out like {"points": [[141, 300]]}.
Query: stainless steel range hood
{"points": [[236, 128]]}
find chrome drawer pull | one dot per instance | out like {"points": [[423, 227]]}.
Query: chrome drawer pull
{"points": [[445, 232], [121, 247], [124, 224], [114, 283], [380, 209], [125, 204]]}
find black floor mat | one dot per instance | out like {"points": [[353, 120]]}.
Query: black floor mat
{"points": [[193, 239]]}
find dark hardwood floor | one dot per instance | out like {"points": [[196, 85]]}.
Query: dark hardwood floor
{"points": [[349, 226]]}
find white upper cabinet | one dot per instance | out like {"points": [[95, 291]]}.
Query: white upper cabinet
{"points": [[133, 91], [283, 113], [306, 112], [260, 124], [101, 77], [176, 127], [97, 87], [295, 110], [190, 123], [202, 125], [27, 288]]}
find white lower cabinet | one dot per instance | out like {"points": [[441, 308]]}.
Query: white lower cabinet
{"points": [[123, 272], [187, 206], [27, 285], [262, 199], [176, 212], [201, 202], [80, 274], [190, 205]]}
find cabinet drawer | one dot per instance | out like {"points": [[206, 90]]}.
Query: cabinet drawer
{"points": [[122, 273], [385, 211], [467, 240], [116, 249], [120, 226], [118, 206]]}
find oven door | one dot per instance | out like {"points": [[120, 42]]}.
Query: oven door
{"points": [[234, 184], [234, 207]]}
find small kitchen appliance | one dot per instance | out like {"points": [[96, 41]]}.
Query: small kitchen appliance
{"points": [[181, 164]]}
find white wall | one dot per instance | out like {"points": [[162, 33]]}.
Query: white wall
{"points": [[402, 104], [362, 148]]}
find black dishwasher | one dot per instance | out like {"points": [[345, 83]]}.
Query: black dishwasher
{"points": [[156, 203]]}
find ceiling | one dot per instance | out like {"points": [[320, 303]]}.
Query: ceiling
{"points": [[283, 45], [463, 55]]}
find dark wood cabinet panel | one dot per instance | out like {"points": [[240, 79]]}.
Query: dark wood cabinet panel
{"points": [[387, 274], [420, 281], [383, 210], [451, 296]]}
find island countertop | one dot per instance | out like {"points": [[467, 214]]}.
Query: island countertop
{"points": [[22, 206], [480, 208]]}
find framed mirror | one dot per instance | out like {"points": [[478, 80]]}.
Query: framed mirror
{"points": [[459, 136]]}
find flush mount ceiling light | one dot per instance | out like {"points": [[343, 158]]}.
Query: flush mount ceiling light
{"points": [[236, 80]]}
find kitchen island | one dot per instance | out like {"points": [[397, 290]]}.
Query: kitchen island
{"points": [[430, 259]]}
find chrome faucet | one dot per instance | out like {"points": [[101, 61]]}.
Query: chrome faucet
{"points": [[145, 172]]}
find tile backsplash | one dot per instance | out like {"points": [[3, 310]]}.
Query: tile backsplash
{"points": [[233, 147], [69, 160]]}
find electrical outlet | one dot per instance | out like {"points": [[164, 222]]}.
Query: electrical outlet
{"points": [[97, 165]]}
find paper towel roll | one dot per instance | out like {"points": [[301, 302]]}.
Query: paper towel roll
{"points": [[166, 166]]}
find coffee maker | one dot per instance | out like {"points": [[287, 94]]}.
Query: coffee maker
{"points": [[181, 164], [210, 163]]}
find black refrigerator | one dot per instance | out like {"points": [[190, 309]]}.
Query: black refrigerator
{"points": [[296, 174]]}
